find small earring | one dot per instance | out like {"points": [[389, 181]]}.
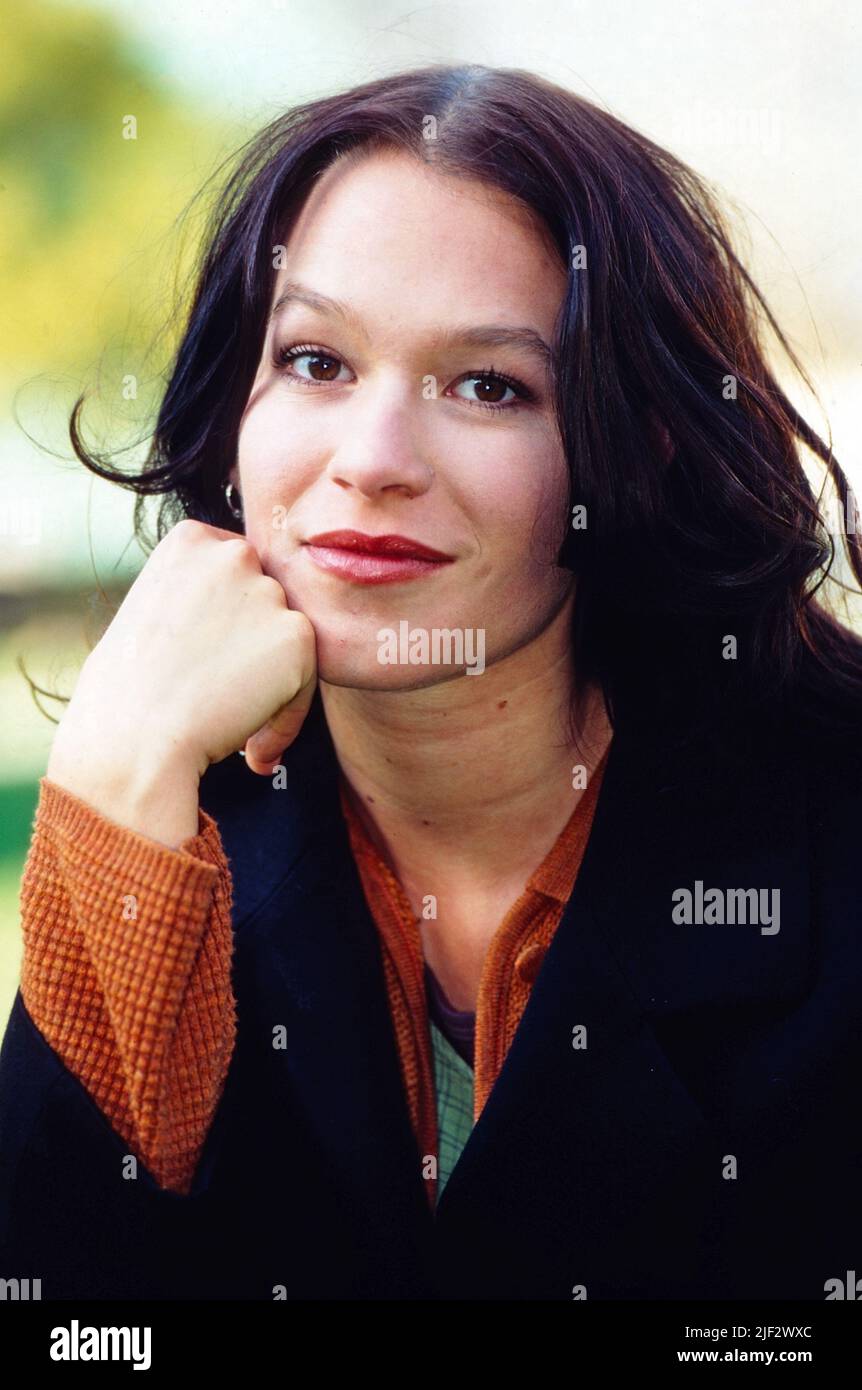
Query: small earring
{"points": [[230, 493]]}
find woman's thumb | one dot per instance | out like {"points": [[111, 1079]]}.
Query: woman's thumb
{"points": [[264, 749]]}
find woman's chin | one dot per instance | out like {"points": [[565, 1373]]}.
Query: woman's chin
{"points": [[364, 653], [361, 674], [371, 654]]}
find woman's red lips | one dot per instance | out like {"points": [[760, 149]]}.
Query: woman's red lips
{"points": [[395, 547]]}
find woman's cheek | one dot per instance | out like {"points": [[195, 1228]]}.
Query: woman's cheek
{"points": [[274, 467]]}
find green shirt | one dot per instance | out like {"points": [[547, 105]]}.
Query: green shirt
{"points": [[453, 1080]]}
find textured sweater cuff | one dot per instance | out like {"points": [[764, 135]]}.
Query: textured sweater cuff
{"points": [[98, 837], [126, 971]]}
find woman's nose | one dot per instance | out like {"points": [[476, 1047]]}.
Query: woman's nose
{"points": [[383, 447]]}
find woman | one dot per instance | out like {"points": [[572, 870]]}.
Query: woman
{"points": [[518, 957]]}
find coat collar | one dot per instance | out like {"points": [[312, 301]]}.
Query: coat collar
{"points": [[730, 815]]}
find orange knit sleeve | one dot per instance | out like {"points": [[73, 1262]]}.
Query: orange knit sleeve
{"points": [[127, 973]]}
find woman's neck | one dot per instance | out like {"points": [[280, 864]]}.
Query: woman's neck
{"points": [[474, 775]]}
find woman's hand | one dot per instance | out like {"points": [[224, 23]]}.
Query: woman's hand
{"points": [[203, 658]]}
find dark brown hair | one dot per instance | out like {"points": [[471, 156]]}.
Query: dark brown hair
{"points": [[681, 446]]}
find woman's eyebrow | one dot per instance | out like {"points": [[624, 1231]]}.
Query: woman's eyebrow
{"points": [[487, 335]]}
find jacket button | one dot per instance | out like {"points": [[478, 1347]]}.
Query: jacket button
{"points": [[528, 962]]}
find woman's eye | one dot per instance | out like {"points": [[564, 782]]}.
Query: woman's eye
{"points": [[490, 390], [321, 366]]}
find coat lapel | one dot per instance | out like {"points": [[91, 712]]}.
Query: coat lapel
{"points": [[580, 1153], [308, 961]]}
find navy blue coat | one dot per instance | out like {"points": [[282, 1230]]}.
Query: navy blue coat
{"points": [[602, 1168]]}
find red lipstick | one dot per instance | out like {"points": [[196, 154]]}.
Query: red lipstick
{"points": [[366, 559]]}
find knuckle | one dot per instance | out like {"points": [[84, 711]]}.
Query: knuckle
{"points": [[187, 529], [301, 627], [238, 551], [274, 590], [302, 643]]}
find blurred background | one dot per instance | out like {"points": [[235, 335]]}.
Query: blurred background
{"points": [[98, 231]]}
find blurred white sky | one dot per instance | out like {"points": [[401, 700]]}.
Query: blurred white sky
{"points": [[761, 96]]}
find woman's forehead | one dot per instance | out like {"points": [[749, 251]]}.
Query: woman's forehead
{"points": [[389, 228]]}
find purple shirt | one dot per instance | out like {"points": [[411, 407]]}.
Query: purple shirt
{"points": [[458, 1025]]}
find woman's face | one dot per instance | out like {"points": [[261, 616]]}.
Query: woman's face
{"points": [[383, 420]]}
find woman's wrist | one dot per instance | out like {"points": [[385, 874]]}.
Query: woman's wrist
{"points": [[147, 785]]}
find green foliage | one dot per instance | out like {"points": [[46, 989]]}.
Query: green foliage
{"points": [[90, 256]]}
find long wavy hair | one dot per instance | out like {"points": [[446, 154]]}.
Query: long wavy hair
{"points": [[704, 548]]}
